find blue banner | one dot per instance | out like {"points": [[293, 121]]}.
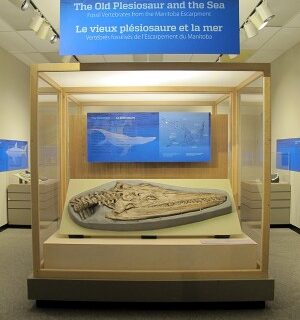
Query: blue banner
{"points": [[288, 154], [13, 155], [149, 137], [149, 27]]}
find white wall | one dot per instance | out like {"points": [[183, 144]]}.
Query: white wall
{"points": [[14, 111], [286, 113]]}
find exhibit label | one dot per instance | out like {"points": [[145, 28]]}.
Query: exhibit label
{"points": [[149, 27]]}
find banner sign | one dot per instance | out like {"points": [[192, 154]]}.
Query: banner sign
{"points": [[149, 27]]}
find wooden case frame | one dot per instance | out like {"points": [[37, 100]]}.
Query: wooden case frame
{"points": [[259, 70]]}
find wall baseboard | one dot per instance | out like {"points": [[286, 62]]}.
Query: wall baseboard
{"points": [[288, 226], [17, 226], [3, 227]]}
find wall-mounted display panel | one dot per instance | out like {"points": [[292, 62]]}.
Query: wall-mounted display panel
{"points": [[13, 155], [149, 137], [288, 154]]}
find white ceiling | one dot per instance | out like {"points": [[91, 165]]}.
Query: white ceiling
{"points": [[282, 33]]}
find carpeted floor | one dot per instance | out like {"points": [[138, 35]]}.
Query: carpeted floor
{"points": [[15, 266]]}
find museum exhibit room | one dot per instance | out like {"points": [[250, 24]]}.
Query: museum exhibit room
{"points": [[150, 159]]}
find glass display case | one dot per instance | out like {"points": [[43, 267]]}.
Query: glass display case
{"points": [[173, 229]]}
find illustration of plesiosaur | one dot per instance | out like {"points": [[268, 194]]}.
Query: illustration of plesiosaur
{"points": [[16, 152], [122, 140], [139, 205]]}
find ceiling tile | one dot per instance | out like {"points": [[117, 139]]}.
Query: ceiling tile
{"points": [[294, 22], [283, 10], [177, 57], [91, 59], [265, 56], [31, 58], [53, 57], [16, 18], [140, 58], [37, 57], [39, 44], [13, 42], [263, 36], [118, 58], [24, 58], [204, 57], [284, 39], [4, 26], [155, 57]]}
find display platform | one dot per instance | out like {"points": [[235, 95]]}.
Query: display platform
{"points": [[119, 254], [226, 225]]}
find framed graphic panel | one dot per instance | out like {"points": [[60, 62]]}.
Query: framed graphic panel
{"points": [[149, 137], [13, 155], [288, 154]]}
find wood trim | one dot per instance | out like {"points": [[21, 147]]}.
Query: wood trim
{"points": [[58, 67], [235, 145], [194, 66], [63, 127], [266, 175], [251, 90], [148, 103], [47, 91], [34, 166], [220, 100], [151, 275], [75, 100], [49, 80], [245, 83], [153, 89]]}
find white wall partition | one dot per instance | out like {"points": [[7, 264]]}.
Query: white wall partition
{"points": [[14, 111], [286, 115]]}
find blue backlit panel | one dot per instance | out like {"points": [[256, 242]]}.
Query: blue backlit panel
{"points": [[288, 154], [13, 155], [149, 137]]}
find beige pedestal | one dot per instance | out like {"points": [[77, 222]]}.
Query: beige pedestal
{"points": [[251, 202], [19, 202], [235, 253]]}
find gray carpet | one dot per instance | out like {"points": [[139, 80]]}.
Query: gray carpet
{"points": [[15, 266]]}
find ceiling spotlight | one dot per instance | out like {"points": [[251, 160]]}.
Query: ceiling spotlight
{"points": [[44, 30], [66, 59], [265, 12], [258, 21], [53, 37], [250, 29], [36, 21], [22, 4]]}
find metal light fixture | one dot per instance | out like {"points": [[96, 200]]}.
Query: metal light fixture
{"points": [[258, 21], [250, 29], [36, 22], [22, 4], [265, 12], [44, 30], [53, 37]]}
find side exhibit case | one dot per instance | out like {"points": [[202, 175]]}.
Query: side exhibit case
{"points": [[150, 231]]}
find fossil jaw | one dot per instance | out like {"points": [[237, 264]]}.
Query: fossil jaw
{"points": [[143, 201]]}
